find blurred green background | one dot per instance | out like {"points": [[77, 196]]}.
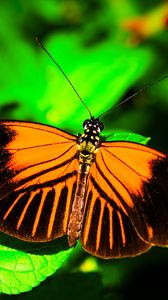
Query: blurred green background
{"points": [[109, 50]]}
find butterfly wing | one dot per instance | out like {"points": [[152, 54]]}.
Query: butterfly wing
{"points": [[37, 180], [127, 200]]}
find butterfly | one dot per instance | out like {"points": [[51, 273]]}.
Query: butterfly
{"points": [[112, 196]]}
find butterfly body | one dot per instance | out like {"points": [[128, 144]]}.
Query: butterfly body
{"points": [[112, 196], [88, 144]]}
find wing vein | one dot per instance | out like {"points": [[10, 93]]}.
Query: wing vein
{"points": [[125, 163]]}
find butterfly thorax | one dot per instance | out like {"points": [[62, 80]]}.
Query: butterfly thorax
{"points": [[88, 144], [87, 151]]}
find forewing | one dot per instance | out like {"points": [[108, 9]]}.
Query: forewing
{"points": [[127, 200], [37, 180]]}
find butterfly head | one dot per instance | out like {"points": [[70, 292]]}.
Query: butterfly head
{"points": [[93, 125], [92, 128]]}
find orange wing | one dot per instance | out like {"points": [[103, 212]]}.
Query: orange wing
{"points": [[37, 180], [127, 200]]}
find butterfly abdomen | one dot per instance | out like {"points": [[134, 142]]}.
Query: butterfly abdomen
{"points": [[76, 216]]}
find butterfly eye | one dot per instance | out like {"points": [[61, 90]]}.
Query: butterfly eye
{"points": [[86, 123], [101, 126]]}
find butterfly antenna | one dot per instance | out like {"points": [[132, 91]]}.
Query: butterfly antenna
{"points": [[66, 77], [136, 93]]}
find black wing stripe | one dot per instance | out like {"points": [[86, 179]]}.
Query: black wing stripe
{"points": [[7, 185], [27, 216], [45, 170], [10, 205], [32, 199], [47, 195], [101, 223], [56, 221], [106, 228], [91, 221], [104, 232], [125, 190], [118, 237], [40, 215], [57, 224], [44, 214], [47, 183], [9, 213], [104, 195]]}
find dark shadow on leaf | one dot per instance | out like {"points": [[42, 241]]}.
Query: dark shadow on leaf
{"points": [[52, 247]]}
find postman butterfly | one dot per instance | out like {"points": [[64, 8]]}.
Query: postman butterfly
{"points": [[112, 196]]}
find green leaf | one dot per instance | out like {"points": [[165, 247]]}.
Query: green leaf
{"points": [[21, 271], [125, 136]]}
